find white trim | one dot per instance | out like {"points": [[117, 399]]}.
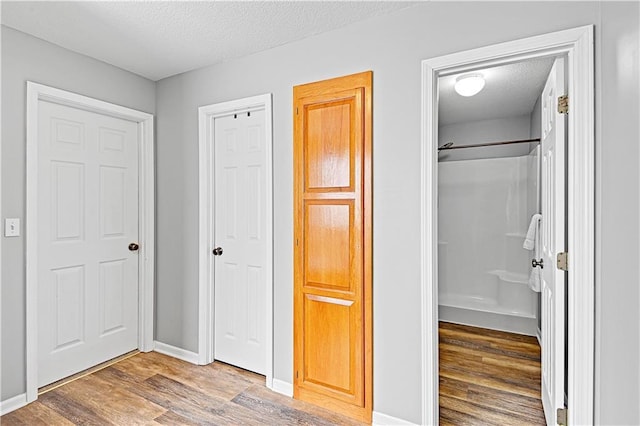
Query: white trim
{"points": [[176, 352], [12, 404], [206, 115], [282, 387], [577, 44], [386, 420], [35, 93]]}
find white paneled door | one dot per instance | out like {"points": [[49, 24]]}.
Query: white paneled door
{"points": [[553, 242], [87, 218], [239, 236]]}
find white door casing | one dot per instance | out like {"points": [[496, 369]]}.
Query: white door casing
{"points": [[67, 172], [88, 215], [207, 333], [552, 230], [239, 232], [578, 46]]}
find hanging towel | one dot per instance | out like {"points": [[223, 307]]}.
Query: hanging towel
{"points": [[532, 242], [535, 279], [532, 233]]}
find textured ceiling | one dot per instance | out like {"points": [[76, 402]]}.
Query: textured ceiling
{"points": [[157, 39], [509, 91]]}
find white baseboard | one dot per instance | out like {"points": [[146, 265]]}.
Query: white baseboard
{"points": [[282, 387], [175, 352], [385, 420], [8, 405]]}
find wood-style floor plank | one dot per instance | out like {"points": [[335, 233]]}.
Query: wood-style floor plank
{"points": [[154, 389], [488, 377]]}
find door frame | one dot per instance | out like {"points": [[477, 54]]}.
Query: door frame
{"points": [[146, 215], [578, 45], [206, 172]]}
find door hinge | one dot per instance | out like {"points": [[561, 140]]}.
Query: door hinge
{"points": [[296, 374], [563, 261], [562, 416], [563, 104], [296, 110]]}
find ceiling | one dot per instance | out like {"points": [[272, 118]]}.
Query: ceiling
{"points": [[157, 39], [509, 91]]}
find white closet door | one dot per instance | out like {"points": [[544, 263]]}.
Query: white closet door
{"points": [[87, 217], [240, 200]]}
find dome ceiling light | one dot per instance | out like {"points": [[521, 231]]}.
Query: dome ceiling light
{"points": [[469, 84]]}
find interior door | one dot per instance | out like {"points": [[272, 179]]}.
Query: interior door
{"points": [[87, 217], [332, 247], [553, 242], [241, 247]]}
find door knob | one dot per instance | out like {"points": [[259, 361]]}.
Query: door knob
{"points": [[217, 251], [536, 263], [133, 247]]}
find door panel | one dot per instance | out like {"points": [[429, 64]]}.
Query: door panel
{"points": [[329, 225], [329, 147], [88, 215], [332, 270], [553, 242], [240, 200]]}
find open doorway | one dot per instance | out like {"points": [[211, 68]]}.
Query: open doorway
{"points": [[576, 45], [490, 261]]}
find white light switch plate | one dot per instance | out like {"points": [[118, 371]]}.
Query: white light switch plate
{"points": [[12, 227]]}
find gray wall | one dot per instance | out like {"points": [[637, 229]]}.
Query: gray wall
{"points": [[495, 130], [393, 46], [28, 58]]}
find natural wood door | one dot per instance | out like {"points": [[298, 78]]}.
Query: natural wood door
{"points": [[332, 244], [552, 229], [87, 217], [241, 247]]}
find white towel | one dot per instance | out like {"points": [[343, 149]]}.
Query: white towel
{"points": [[532, 242], [535, 280], [532, 233]]}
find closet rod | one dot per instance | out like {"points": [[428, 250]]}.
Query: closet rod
{"points": [[449, 145]]}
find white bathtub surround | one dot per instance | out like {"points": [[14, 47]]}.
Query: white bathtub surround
{"points": [[484, 211]]}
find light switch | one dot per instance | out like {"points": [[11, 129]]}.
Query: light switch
{"points": [[12, 227]]}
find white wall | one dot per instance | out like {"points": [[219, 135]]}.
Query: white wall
{"points": [[28, 58], [496, 130], [617, 215], [393, 46]]}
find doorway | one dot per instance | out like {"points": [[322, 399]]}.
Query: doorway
{"points": [[90, 238], [501, 218], [236, 234], [577, 44]]}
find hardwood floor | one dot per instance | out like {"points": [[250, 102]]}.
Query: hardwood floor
{"points": [[151, 389], [488, 377]]}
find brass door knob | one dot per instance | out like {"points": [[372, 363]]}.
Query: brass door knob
{"points": [[134, 247]]}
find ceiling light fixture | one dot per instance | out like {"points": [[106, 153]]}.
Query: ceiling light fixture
{"points": [[469, 84]]}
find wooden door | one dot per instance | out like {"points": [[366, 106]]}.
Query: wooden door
{"points": [[332, 244], [552, 242], [241, 246], [87, 217]]}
